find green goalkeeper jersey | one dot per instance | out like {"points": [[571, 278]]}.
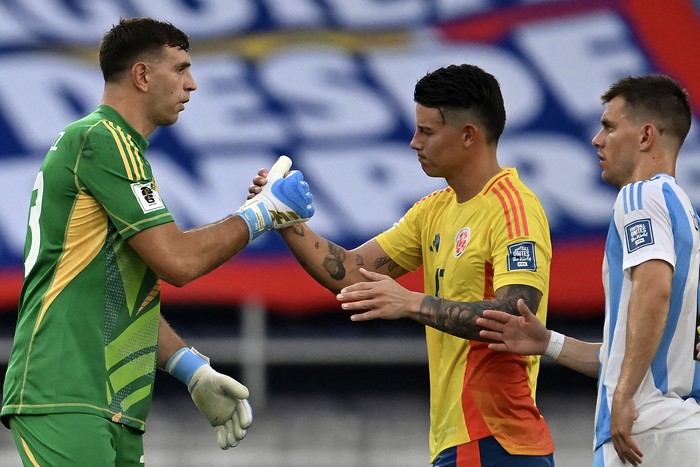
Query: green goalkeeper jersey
{"points": [[89, 310]]}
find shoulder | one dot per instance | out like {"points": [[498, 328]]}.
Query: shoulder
{"points": [[648, 194], [508, 183], [434, 199]]}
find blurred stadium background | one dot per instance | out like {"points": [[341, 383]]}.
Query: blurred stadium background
{"points": [[329, 82]]}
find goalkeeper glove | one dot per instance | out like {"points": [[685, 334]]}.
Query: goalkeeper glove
{"points": [[282, 202], [220, 398]]}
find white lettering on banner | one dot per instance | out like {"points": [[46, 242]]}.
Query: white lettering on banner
{"points": [[85, 23], [222, 186], [210, 17], [591, 52], [564, 175], [227, 108], [385, 180], [34, 95], [218, 189], [398, 71], [294, 13], [363, 13], [11, 29], [324, 94]]}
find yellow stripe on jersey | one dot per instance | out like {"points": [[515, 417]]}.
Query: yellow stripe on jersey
{"points": [[126, 151], [151, 295], [85, 227], [29, 453], [134, 227], [133, 152], [85, 236], [139, 159]]}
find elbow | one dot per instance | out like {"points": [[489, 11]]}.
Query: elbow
{"points": [[177, 281], [177, 274]]}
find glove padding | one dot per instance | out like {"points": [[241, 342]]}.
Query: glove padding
{"points": [[283, 201], [223, 401]]}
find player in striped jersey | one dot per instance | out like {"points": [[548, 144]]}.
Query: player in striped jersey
{"points": [[89, 334], [649, 383], [483, 242]]}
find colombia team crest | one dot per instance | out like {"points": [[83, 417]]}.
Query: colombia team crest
{"points": [[461, 241]]}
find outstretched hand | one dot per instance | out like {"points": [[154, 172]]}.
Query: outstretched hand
{"points": [[523, 334], [382, 296]]}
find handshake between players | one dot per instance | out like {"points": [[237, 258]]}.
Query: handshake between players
{"points": [[285, 200]]}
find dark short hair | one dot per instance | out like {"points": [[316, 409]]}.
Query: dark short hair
{"points": [[133, 39], [466, 88], [657, 97]]}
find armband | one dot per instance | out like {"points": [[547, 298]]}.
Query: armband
{"points": [[555, 344]]}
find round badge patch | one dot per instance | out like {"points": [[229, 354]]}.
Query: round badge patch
{"points": [[461, 241]]}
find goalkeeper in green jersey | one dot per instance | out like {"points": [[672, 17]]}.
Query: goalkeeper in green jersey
{"points": [[100, 239]]}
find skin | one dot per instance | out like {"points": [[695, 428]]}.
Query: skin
{"points": [[364, 278], [151, 94], [630, 149]]}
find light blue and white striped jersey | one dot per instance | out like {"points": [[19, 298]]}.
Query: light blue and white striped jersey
{"points": [[652, 219]]}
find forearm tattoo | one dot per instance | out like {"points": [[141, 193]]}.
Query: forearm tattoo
{"points": [[333, 262], [385, 261], [459, 318]]}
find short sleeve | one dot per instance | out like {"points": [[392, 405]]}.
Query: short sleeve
{"points": [[644, 225], [115, 173], [521, 248], [402, 242]]}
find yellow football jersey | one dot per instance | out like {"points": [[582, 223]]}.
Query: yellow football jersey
{"points": [[468, 250]]}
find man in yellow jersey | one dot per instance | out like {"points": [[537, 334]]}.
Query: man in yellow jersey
{"points": [[99, 241], [483, 242]]}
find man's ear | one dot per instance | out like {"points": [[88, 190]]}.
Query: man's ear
{"points": [[470, 133], [139, 76], [648, 134]]}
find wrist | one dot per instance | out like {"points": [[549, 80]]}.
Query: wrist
{"points": [[184, 363], [257, 218], [554, 345]]}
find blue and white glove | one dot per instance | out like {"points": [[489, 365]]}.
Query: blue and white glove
{"points": [[282, 202], [220, 398]]}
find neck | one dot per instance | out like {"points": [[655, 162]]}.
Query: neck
{"points": [[653, 165], [130, 108], [469, 181]]}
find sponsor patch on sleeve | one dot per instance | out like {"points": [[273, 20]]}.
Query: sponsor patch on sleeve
{"points": [[521, 257], [147, 196], [638, 234]]}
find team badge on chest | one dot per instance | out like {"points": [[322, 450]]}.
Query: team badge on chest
{"points": [[461, 241]]}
